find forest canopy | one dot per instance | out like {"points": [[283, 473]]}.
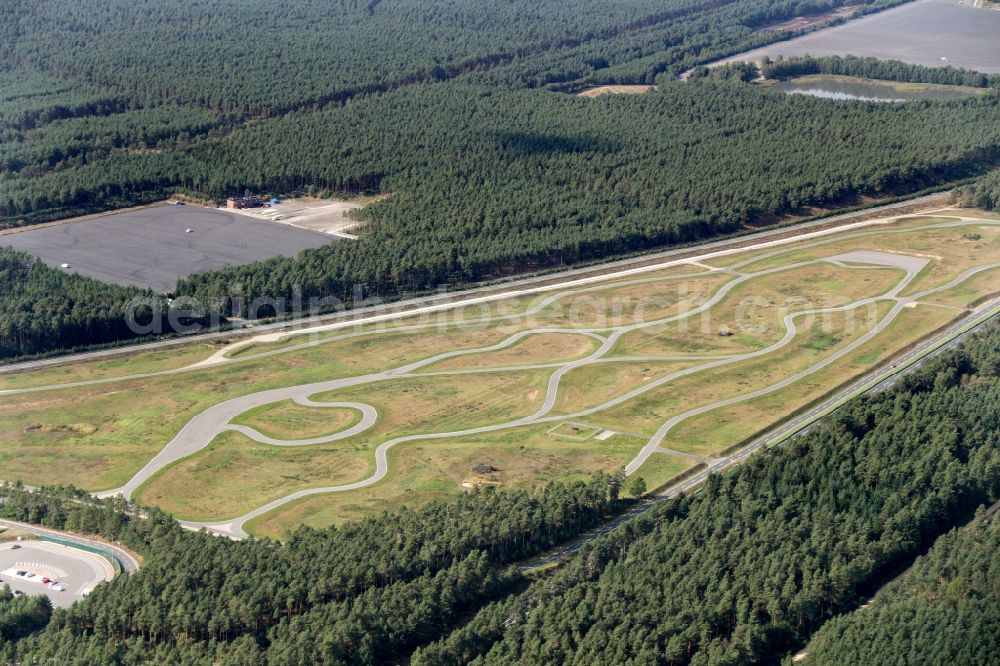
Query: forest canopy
{"points": [[945, 610], [984, 193], [459, 113], [741, 572]]}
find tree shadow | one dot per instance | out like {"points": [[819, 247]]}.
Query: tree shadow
{"points": [[531, 143]]}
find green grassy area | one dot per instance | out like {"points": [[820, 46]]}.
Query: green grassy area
{"points": [[720, 429], [422, 471], [980, 286], [575, 432], [418, 405], [900, 86], [819, 247], [234, 475], [491, 311], [532, 350], [120, 366], [632, 303], [660, 468], [288, 420], [751, 316], [949, 250], [647, 412], [13, 534], [592, 385], [97, 436]]}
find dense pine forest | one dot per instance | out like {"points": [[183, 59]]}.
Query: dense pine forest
{"points": [[872, 68], [750, 567], [744, 571], [946, 610], [984, 193], [255, 57], [43, 307], [380, 587], [21, 616], [572, 179], [460, 113]]}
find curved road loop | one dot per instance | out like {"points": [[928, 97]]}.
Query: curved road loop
{"points": [[200, 431], [128, 561]]}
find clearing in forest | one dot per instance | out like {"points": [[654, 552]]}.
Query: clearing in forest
{"points": [[655, 370]]}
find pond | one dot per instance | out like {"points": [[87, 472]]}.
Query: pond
{"points": [[842, 88]]}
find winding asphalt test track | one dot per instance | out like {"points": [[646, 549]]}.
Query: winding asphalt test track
{"points": [[877, 381], [201, 430], [235, 527]]}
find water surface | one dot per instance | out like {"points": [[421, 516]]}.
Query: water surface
{"points": [[867, 91]]}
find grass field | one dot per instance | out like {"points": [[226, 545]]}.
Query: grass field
{"points": [[851, 87], [984, 285], [753, 312], [98, 436], [131, 364], [523, 457], [592, 385], [646, 413], [723, 428], [235, 474], [661, 468], [431, 404], [627, 304], [534, 349], [287, 420], [463, 408]]}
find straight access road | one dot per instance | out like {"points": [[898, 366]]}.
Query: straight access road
{"points": [[496, 291]]}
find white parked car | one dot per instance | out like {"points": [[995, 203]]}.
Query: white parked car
{"points": [[65, 266]]}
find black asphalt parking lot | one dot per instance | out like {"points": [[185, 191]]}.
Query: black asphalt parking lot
{"points": [[150, 247]]}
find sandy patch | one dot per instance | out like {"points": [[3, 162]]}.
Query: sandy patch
{"points": [[615, 90], [326, 216], [913, 254]]}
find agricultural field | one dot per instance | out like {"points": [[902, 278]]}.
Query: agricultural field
{"points": [[932, 33], [655, 371]]}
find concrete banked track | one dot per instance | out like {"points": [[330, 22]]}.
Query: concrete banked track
{"points": [[202, 429]]}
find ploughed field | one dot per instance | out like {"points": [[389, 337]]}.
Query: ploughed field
{"points": [[932, 33], [654, 371]]}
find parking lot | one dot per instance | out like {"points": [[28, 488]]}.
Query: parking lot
{"points": [[153, 247], [26, 565]]}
